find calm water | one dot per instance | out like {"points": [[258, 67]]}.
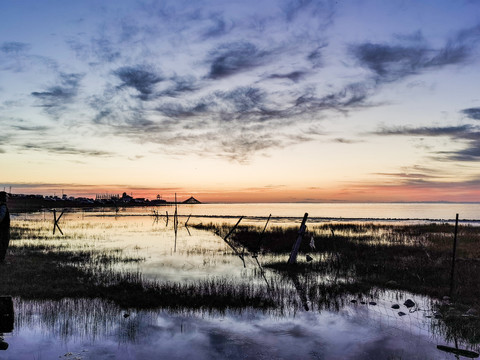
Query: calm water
{"points": [[343, 211], [94, 329], [322, 212]]}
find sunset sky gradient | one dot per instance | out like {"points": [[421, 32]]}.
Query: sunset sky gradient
{"points": [[249, 101]]}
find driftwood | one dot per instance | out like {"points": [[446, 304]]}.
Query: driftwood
{"points": [[460, 352]]}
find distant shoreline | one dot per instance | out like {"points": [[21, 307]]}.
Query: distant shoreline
{"points": [[30, 204]]}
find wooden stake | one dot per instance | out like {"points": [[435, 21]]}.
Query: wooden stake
{"points": [[186, 222], [452, 275], [55, 221], [261, 235], [293, 255]]}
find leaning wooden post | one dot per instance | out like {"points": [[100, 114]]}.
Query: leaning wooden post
{"points": [[54, 220], [231, 245], [452, 282], [293, 255]]}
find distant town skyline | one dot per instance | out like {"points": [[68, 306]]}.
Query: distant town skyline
{"points": [[242, 101]]}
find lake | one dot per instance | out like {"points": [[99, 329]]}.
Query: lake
{"points": [[336, 328], [327, 211]]}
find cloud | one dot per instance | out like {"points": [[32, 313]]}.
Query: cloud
{"points": [[61, 94], [179, 85], [391, 62], [468, 133], [472, 113], [315, 57], [65, 149], [322, 11], [452, 131], [232, 58], [30, 128], [218, 28], [14, 47], [140, 78], [104, 50], [295, 76], [351, 96], [221, 105], [345, 141]]}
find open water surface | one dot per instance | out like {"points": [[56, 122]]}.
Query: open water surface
{"points": [[95, 329]]}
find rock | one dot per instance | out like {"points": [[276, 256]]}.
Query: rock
{"points": [[437, 315], [372, 303], [409, 303], [126, 315], [446, 298], [353, 301], [309, 258], [401, 313], [472, 312], [391, 283], [362, 302], [395, 306]]}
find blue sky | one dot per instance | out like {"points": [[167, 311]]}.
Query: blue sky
{"points": [[280, 100]]}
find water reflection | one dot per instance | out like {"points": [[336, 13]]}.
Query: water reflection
{"points": [[95, 329], [6, 319], [333, 328]]}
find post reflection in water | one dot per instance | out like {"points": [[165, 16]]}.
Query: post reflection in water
{"points": [[6, 319]]}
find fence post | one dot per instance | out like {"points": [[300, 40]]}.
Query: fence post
{"points": [[452, 275], [293, 255]]}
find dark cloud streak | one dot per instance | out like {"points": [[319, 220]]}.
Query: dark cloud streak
{"points": [[139, 78], [472, 113], [232, 58], [466, 133]]}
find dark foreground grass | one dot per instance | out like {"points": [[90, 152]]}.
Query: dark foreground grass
{"points": [[48, 273]]}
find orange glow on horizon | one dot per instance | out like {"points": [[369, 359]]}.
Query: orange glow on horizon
{"points": [[357, 193]]}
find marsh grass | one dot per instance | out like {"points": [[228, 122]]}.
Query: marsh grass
{"points": [[353, 261], [416, 258], [365, 257]]}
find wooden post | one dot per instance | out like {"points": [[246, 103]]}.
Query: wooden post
{"points": [[55, 221], [452, 275], [175, 222], [186, 222], [293, 255], [261, 236]]}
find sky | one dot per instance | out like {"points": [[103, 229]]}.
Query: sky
{"points": [[242, 101]]}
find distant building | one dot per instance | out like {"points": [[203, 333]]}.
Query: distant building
{"points": [[107, 197], [126, 198], [191, 200]]}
